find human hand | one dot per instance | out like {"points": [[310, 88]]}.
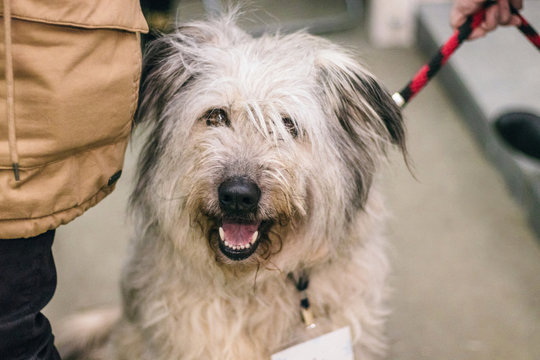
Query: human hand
{"points": [[497, 14]]}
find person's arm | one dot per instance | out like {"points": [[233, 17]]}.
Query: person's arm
{"points": [[497, 14]]}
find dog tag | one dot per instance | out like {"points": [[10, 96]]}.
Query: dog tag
{"points": [[336, 345]]}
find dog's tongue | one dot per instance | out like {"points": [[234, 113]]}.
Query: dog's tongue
{"points": [[239, 234]]}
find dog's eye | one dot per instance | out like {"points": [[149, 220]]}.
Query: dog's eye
{"points": [[290, 126], [216, 117]]}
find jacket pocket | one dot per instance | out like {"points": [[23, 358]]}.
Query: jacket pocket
{"points": [[95, 14], [75, 89]]}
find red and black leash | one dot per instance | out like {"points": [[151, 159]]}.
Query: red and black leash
{"points": [[428, 71], [527, 29]]}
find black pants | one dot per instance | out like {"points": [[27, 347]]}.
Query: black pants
{"points": [[27, 284]]}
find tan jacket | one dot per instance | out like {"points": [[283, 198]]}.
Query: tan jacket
{"points": [[76, 67]]}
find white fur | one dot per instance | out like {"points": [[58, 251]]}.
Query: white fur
{"points": [[183, 299]]}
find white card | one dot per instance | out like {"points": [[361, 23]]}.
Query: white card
{"points": [[336, 345]]}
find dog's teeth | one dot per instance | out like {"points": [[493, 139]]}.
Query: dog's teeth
{"points": [[222, 234], [238, 247]]}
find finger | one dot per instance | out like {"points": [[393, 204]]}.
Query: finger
{"points": [[492, 19], [467, 7], [518, 4], [457, 18], [504, 12], [461, 9], [515, 21], [477, 33]]}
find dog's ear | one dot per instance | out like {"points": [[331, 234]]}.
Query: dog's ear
{"points": [[366, 118], [359, 101], [159, 78], [166, 68]]}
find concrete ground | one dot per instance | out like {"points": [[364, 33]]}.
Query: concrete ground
{"points": [[466, 273]]}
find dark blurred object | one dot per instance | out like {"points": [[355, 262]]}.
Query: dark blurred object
{"points": [[156, 5], [521, 130], [157, 14]]}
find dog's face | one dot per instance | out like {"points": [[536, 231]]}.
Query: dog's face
{"points": [[263, 146]]}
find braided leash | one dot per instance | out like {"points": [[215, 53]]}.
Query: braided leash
{"points": [[428, 71], [527, 29]]}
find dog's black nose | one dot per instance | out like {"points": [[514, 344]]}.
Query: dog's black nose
{"points": [[238, 195]]}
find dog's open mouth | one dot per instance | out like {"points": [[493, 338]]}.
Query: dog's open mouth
{"points": [[238, 241]]}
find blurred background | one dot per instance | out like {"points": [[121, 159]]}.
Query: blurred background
{"points": [[465, 227]]}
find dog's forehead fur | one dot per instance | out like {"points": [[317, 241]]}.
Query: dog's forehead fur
{"points": [[264, 78], [253, 59]]}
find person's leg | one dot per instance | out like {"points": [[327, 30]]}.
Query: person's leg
{"points": [[27, 284]]}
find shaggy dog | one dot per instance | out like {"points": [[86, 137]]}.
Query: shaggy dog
{"points": [[258, 170]]}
